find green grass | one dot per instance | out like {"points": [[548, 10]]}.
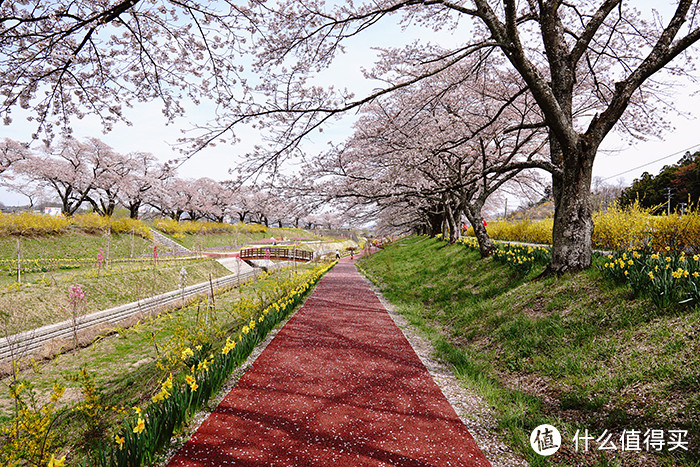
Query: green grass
{"points": [[38, 300], [197, 242], [74, 245], [572, 351]]}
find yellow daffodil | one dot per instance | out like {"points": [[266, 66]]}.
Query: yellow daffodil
{"points": [[53, 462], [119, 440], [168, 384], [140, 426]]}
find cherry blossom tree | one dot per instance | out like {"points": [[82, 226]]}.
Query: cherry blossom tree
{"points": [[69, 58], [591, 67], [11, 151], [442, 146], [213, 199], [165, 197], [63, 169], [145, 173], [107, 171]]}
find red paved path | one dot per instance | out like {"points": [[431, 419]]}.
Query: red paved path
{"points": [[338, 386]]}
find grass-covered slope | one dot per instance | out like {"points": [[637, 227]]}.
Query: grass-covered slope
{"points": [[53, 263], [571, 351]]}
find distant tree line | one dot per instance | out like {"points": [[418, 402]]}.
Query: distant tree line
{"points": [[680, 182], [89, 174]]}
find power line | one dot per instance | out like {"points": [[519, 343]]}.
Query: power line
{"points": [[653, 162]]}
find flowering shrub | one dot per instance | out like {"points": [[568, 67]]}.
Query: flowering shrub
{"points": [[94, 223], [531, 231], [179, 229], [619, 229], [633, 227], [677, 232], [30, 224], [25, 223], [30, 437], [77, 300]]}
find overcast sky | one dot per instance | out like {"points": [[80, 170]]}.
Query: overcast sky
{"points": [[151, 134]]}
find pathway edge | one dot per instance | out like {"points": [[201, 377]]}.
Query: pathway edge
{"points": [[471, 408]]}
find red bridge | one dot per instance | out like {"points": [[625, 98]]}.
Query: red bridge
{"points": [[284, 254]]}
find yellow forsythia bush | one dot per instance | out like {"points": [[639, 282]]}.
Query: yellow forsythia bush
{"points": [[27, 223], [34, 224], [629, 228], [173, 227], [623, 228], [526, 230], [677, 232], [91, 222], [94, 223], [127, 225]]}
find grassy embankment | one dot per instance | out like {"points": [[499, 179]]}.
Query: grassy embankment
{"points": [[574, 351], [237, 238], [38, 298]]}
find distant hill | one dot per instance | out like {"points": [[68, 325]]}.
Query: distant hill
{"points": [[541, 210]]}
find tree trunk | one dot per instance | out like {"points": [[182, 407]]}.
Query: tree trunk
{"points": [[434, 224], [572, 244], [473, 213], [451, 224], [134, 209]]}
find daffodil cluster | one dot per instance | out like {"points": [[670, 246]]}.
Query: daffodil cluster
{"points": [[206, 370], [666, 278], [519, 257], [166, 389]]}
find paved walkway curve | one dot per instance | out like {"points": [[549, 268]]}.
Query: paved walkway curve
{"points": [[338, 386]]}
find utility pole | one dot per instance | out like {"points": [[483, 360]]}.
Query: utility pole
{"points": [[668, 201]]}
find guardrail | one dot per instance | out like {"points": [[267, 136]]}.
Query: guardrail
{"points": [[285, 254], [28, 342]]}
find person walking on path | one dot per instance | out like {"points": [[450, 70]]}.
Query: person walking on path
{"points": [[338, 386]]}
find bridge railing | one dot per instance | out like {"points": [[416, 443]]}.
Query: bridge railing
{"points": [[285, 254]]}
